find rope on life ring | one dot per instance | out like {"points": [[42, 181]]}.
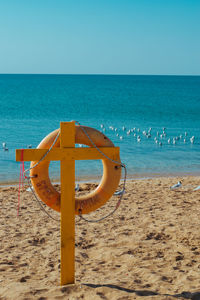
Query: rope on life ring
{"points": [[39, 172]]}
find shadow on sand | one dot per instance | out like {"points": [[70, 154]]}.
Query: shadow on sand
{"points": [[184, 295]]}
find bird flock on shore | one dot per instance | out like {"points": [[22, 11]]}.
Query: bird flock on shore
{"points": [[159, 137]]}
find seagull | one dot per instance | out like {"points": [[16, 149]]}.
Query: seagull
{"points": [[118, 193], [197, 188], [144, 132], [77, 187], [178, 185], [4, 145], [192, 139], [30, 189]]}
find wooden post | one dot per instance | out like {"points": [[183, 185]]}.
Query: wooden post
{"points": [[67, 168], [67, 153]]}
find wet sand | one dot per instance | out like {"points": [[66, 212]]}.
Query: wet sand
{"points": [[150, 248]]}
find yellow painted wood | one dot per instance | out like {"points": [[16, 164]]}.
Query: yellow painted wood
{"points": [[67, 222], [67, 153], [67, 139], [67, 134]]}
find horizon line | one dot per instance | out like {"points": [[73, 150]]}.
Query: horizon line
{"points": [[100, 74]]}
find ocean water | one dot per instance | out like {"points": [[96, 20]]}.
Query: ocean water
{"points": [[31, 106]]}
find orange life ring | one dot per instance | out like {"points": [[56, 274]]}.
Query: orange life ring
{"points": [[87, 203]]}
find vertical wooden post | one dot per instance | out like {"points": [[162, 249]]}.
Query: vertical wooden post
{"points": [[67, 169], [67, 155]]}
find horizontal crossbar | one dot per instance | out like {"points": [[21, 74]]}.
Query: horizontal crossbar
{"points": [[67, 153]]}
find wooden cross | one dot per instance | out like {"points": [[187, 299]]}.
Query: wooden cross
{"points": [[67, 154]]}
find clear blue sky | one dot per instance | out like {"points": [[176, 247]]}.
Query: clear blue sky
{"points": [[100, 36]]}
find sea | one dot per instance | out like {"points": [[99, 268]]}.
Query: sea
{"points": [[155, 120]]}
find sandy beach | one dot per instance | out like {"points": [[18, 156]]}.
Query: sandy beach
{"points": [[150, 248]]}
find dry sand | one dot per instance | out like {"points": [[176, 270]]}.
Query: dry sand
{"points": [[149, 249]]}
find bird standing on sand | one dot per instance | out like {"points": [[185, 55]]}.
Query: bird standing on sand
{"points": [[178, 185], [77, 187], [197, 188]]}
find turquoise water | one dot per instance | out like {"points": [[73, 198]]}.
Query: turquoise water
{"points": [[31, 106]]}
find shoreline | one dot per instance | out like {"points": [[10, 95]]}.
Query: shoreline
{"points": [[95, 179]]}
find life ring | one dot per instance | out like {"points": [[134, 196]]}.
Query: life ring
{"points": [[87, 203]]}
